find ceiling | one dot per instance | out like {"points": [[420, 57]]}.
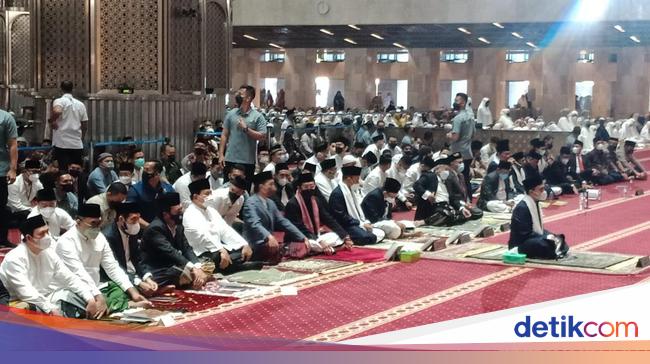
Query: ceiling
{"points": [[600, 34]]}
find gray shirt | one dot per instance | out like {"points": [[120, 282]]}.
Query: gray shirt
{"points": [[241, 148], [463, 125], [8, 131]]}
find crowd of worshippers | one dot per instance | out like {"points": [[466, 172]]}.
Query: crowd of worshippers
{"points": [[134, 227]]}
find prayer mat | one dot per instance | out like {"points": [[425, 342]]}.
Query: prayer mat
{"points": [[316, 265], [579, 261], [223, 288], [357, 254], [407, 244], [268, 277], [181, 301]]}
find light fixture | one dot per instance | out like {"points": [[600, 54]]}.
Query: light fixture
{"points": [[398, 45], [376, 36], [249, 37], [635, 39], [484, 40], [517, 35], [619, 28], [326, 32], [354, 27], [463, 30], [531, 44], [349, 41], [234, 43], [275, 45], [498, 25]]}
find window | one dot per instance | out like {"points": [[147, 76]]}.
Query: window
{"points": [[586, 56], [454, 56], [517, 56], [584, 95], [267, 57], [402, 93], [457, 86], [516, 89], [398, 57], [324, 56]]}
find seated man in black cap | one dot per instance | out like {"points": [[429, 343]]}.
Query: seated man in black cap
{"points": [[165, 251], [378, 208], [527, 232], [123, 236], [277, 155], [284, 187], [199, 171], [368, 161], [326, 180], [377, 147], [539, 147], [85, 251], [228, 201], [459, 196], [345, 204], [629, 164], [518, 172], [22, 192], [210, 236], [57, 220], [320, 154], [377, 175], [30, 272], [262, 218], [502, 155], [437, 206], [309, 212], [602, 171], [557, 174], [497, 193]]}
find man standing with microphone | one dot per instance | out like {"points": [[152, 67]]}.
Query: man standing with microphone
{"points": [[242, 129]]}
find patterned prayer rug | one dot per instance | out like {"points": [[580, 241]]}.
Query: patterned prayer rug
{"points": [[316, 265], [181, 301], [269, 277]]}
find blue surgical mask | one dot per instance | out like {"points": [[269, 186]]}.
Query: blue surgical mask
{"points": [[503, 176]]}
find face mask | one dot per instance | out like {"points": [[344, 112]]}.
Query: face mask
{"points": [[307, 194], [34, 177], [126, 180], [238, 100], [565, 161], [139, 163], [171, 158], [109, 165], [392, 145], [487, 103], [461, 168], [543, 196], [380, 129], [444, 175], [44, 242], [47, 212], [91, 233], [74, 173], [67, 188], [284, 158], [456, 106], [542, 152], [177, 219], [575, 150], [503, 176], [283, 181], [600, 147], [146, 177], [390, 200], [339, 150], [233, 197], [132, 229], [264, 160]]}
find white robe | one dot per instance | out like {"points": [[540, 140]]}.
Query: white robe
{"points": [[325, 185], [412, 176], [484, 115], [353, 204], [32, 278], [60, 220], [206, 231], [20, 194], [375, 179], [221, 202]]}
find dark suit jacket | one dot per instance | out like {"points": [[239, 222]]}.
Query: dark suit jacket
{"points": [[114, 239], [161, 250], [294, 215], [340, 210], [490, 187], [374, 206], [261, 221], [277, 198], [556, 174], [521, 226]]}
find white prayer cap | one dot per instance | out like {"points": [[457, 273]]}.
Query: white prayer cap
{"points": [[447, 126], [349, 159], [338, 120], [340, 113]]}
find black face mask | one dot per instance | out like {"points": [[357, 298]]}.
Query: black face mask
{"points": [[113, 205], [392, 145], [456, 106], [239, 100], [487, 103], [171, 158], [178, 219], [74, 173], [380, 129], [307, 194], [233, 197], [67, 188], [146, 177], [339, 150]]}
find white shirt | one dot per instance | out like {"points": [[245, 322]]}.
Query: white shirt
{"points": [[206, 231], [270, 168], [68, 133], [394, 173], [375, 150], [442, 195], [375, 179], [412, 176], [59, 220], [21, 194], [486, 154], [108, 214], [502, 195], [227, 209], [314, 160], [32, 277], [325, 185], [85, 257], [181, 187]]}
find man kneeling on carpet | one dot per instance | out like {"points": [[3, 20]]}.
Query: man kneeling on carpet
{"points": [[307, 210], [378, 208], [345, 204], [527, 232], [85, 251], [31, 270], [165, 251], [262, 218], [209, 235]]}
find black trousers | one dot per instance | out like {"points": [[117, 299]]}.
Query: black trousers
{"points": [[5, 213], [466, 173], [250, 171], [67, 156]]}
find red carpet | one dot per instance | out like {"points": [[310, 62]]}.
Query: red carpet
{"points": [[191, 302], [357, 254], [321, 308], [636, 244]]}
